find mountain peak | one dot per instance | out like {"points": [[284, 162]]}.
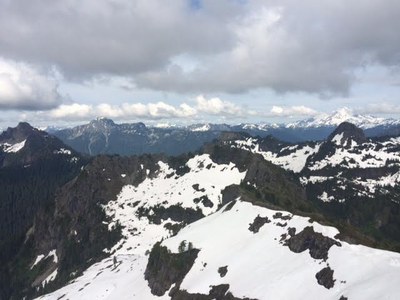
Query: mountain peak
{"points": [[347, 133], [24, 126], [103, 121], [18, 133], [341, 115]]}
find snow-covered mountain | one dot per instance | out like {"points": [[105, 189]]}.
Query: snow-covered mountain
{"points": [[344, 115], [242, 251], [236, 249], [25, 144], [103, 136], [33, 166], [244, 218], [347, 160]]}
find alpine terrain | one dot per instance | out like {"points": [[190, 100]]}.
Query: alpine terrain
{"points": [[241, 218], [103, 136]]}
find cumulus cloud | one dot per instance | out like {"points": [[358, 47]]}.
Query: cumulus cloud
{"points": [[216, 106], [67, 111], [292, 111], [149, 111], [23, 87]]}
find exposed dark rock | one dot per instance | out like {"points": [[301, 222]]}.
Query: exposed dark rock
{"points": [[325, 278], [229, 206], [279, 215], [218, 292], [283, 237], [348, 132], [197, 189], [222, 271], [258, 223], [343, 298], [281, 224], [174, 212], [103, 136], [204, 200], [317, 244], [174, 228], [291, 231], [233, 136], [165, 268], [265, 184], [229, 195]]}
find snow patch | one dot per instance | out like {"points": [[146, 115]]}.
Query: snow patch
{"points": [[63, 151], [294, 160], [13, 148]]}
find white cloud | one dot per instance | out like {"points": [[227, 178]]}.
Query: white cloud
{"points": [[292, 111], [23, 87], [216, 106], [149, 111], [73, 111]]}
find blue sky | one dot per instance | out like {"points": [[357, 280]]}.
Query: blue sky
{"points": [[191, 61]]}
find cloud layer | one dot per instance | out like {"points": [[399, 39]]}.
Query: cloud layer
{"points": [[23, 87], [199, 108], [229, 46]]}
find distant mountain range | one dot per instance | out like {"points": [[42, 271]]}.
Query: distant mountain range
{"points": [[103, 136], [344, 115]]}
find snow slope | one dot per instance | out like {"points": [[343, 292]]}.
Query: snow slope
{"points": [[291, 158], [126, 281], [13, 148], [369, 156], [343, 115], [260, 266]]}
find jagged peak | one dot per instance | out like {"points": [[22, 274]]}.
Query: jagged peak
{"points": [[343, 112], [18, 133], [24, 125], [103, 121], [340, 115], [347, 133], [231, 136]]}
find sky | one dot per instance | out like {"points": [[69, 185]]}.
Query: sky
{"points": [[190, 61]]}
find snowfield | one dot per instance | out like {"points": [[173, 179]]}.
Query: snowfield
{"points": [[368, 155], [259, 265], [126, 281], [294, 161], [205, 178]]}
